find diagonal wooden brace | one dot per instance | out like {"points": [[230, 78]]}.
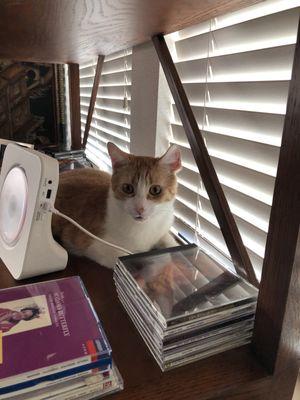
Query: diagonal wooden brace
{"points": [[93, 99], [74, 88], [211, 182]]}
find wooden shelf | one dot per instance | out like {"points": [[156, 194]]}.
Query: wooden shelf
{"points": [[231, 375], [32, 31]]}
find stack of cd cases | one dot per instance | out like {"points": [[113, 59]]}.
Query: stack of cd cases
{"points": [[184, 304], [53, 345]]}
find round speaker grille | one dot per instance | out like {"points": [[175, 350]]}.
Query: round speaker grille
{"points": [[13, 205]]}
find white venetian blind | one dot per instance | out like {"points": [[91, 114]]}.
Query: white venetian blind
{"points": [[236, 71], [111, 117]]}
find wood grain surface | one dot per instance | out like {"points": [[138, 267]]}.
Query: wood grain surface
{"points": [[76, 30]]}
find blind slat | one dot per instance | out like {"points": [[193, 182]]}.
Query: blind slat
{"points": [[101, 117], [269, 97], [208, 241], [257, 156], [255, 11], [111, 133], [115, 105], [118, 117], [264, 32], [105, 137], [119, 78], [241, 205], [117, 65], [118, 54], [259, 65], [256, 185], [255, 126], [113, 91], [253, 237], [110, 120]]}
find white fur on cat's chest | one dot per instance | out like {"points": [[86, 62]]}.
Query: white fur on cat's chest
{"points": [[136, 236]]}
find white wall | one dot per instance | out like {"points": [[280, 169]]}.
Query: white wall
{"points": [[150, 103]]}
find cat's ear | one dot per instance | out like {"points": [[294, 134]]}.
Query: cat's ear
{"points": [[117, 156], [172, 158]]}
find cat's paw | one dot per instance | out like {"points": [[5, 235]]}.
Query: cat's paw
{"points": [[103, 255], [166, 241]]}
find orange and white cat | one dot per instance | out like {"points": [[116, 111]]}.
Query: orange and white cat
{"points": [[132, 208]]}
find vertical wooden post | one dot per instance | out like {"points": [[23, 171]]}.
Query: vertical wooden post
{"points": [[55, 102], [75, 106], [93, 99], [277, 326], [211, 182], [287, 361]]}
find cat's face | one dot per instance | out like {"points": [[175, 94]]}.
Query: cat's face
{"points": [[144, 185]]}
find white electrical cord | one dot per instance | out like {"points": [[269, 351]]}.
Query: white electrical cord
{"points": [[55, 211]]}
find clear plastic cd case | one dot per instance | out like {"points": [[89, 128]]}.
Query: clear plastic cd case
{"points": [[185, 305]]}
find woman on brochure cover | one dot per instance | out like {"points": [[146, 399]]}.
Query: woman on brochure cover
{"points": [[10, 318]]}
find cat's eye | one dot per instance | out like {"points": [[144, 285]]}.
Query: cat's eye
{"points": [[155, 190], [128, 188]]}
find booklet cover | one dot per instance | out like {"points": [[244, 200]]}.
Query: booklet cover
{"points": [[48, 328], [183, 282]]}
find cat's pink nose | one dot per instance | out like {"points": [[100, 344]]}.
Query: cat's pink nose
{"points": [[140, 210]]}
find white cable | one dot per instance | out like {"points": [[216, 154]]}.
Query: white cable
{"points": [[55, 211]]}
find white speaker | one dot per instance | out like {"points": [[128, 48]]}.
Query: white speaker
{"points": [[28, 184]]}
